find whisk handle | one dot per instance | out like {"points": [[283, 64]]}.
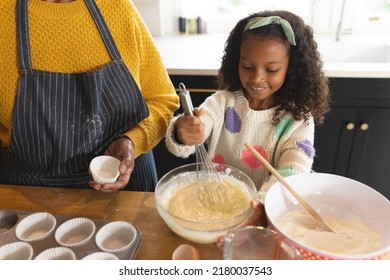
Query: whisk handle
{"points": [[185, 100]]}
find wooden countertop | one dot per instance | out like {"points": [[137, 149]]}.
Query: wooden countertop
{"points": [[158, 241]]}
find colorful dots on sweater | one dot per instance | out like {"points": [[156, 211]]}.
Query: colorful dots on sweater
{"points": [[232, 120], [218, 158], [288, 171], [283, 127], [250, 160], [307, 147]]}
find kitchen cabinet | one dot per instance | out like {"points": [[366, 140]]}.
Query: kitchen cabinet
{"points": [[354, 139], [352, 142]]}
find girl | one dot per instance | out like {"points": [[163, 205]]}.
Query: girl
{"points": [[273, 89]]}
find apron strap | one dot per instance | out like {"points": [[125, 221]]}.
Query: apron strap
{"points": [[23, 36], [24, 53], [103, 29]]}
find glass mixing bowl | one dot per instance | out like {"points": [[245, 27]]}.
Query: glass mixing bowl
{"points": [[202, 231]]}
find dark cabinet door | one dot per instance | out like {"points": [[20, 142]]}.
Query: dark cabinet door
{"points": [[354, 143], [370, 157], [165, 161], [333, 141]]}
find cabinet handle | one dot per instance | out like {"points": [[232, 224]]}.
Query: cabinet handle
{"points": [[363, 126], [350, 126]]}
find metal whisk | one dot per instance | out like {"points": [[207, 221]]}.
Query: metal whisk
{"points": [[211, 190]]}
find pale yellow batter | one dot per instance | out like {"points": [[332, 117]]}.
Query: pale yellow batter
{"points": [[185, 203], [350, 237]]}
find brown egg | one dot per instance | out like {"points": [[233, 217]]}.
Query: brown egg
{"points": [[185, 252]]}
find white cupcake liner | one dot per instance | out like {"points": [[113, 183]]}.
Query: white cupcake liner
{"points": [[116, 236], [101, 256], [35, 227], [104, 169], [57, 253], [75, 232], [18, 250]]}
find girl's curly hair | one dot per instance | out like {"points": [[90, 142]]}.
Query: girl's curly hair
{"points": [[305, 90]]}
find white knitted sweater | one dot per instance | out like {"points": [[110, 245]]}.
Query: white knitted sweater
{"points": [[229, 123]]}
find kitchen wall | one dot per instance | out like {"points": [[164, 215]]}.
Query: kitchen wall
{"points": [[151, 13], [161, 16]]}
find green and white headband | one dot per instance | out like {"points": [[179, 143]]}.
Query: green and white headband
{"points": [[257, 22]]}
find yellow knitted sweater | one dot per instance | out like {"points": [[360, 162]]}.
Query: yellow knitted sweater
{"points": [[64, 38]]}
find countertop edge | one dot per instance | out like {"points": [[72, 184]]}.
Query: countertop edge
{"points": [[330, 73], [180, 56]]}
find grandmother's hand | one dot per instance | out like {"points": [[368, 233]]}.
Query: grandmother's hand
{"points": [[123, 149]]}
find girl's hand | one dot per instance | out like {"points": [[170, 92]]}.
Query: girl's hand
{"points": [[123, 149], [258, 218], [190, 129]]}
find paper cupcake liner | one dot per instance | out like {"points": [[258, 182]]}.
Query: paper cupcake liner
{"points": [[57, 253], [105, 169], [75, 232], [101, 256], [35, 227], [115, 236], [18, 250]]}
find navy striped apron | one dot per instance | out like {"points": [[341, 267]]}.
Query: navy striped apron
{"points": [[62, 120]]}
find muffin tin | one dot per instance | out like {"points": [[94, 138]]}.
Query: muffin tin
{"points": [[42, 235]]}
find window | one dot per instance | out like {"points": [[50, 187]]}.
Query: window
{"points": [[368, 16]]}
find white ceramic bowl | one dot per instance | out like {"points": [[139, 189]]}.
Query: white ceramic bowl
{"points": [[198, 231], [333, 196]]}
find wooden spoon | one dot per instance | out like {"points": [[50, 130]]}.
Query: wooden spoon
{"points": [[309, 209]]}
